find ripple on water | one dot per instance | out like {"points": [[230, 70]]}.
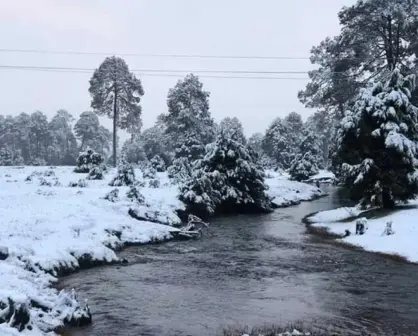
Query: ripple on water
{"points": [[251, 270]]}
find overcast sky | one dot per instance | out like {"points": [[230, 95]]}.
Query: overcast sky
{"points": [[215, 27]]}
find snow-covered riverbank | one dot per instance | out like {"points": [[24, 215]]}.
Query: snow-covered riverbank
{"points": [[54, 228], [285, 192], [402, 243], [48, 228]]}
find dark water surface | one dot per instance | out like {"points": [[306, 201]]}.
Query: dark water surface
{"points": [[250, 270]]}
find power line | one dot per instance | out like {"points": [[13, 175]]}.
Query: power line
{"points": [[162, 70], [162, 73], [60, 52]]}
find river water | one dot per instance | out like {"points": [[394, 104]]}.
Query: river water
{"points": [[250, 270]]}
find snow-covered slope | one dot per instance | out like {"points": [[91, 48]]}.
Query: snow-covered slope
{"points": [[404, 223], [51, 228], [285, 192]]}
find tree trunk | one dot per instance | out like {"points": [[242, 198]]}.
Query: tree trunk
{"points": [[115, 116]]}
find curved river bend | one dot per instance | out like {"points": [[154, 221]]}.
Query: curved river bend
{"points": [[250, 270]]}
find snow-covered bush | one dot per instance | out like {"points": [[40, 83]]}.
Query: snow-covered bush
{"points": [[140, 183], [125, 176], [154, 183], [149, 172], [37, 173], [226, 180], [87, 161], [180, 170], [44, 182], [135, 195], [303, 167], [158, 163], [96, 173], [82, 183], [4, 253], [112, 196], [377, 144], [49, 173]]}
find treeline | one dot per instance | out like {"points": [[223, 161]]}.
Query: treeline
{"points": [[32, 139]]}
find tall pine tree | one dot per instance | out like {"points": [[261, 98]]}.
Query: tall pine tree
{"points": [[116, 92]]}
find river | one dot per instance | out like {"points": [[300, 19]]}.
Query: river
{"points": [[250, 270]]}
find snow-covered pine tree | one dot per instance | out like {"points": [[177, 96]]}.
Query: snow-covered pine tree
{"points": [[310, 157], [158, 163], [311, 142], [189, 124], [156, 142], [276, 144], [232, 128], [303, 167], [125, 176], [294, 126], [378, 143], [63, 141], [225, 180], [133, 150]]}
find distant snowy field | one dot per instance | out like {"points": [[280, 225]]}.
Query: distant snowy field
{"points": [[404, 222], [48, 228]]}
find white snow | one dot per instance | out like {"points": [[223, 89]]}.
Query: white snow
{"points": [[285, 192], [335, 215], [403, 242], [323, 175], [47, 228]]}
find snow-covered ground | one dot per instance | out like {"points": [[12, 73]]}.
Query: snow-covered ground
{"points": [[323, 175], [48, 228], [404, 224], [285, 192]]}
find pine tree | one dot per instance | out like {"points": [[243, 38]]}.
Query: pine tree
{"points": [[6, 157], [376, 37], [303, 167], [86, 129], [311, 143], [188, 119], [294, 125], [39, 138], [232, 128], [378, 143], [63, 141], [116, 92], [225, 180], [276, 143], [155, 142], [133, 150]]}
